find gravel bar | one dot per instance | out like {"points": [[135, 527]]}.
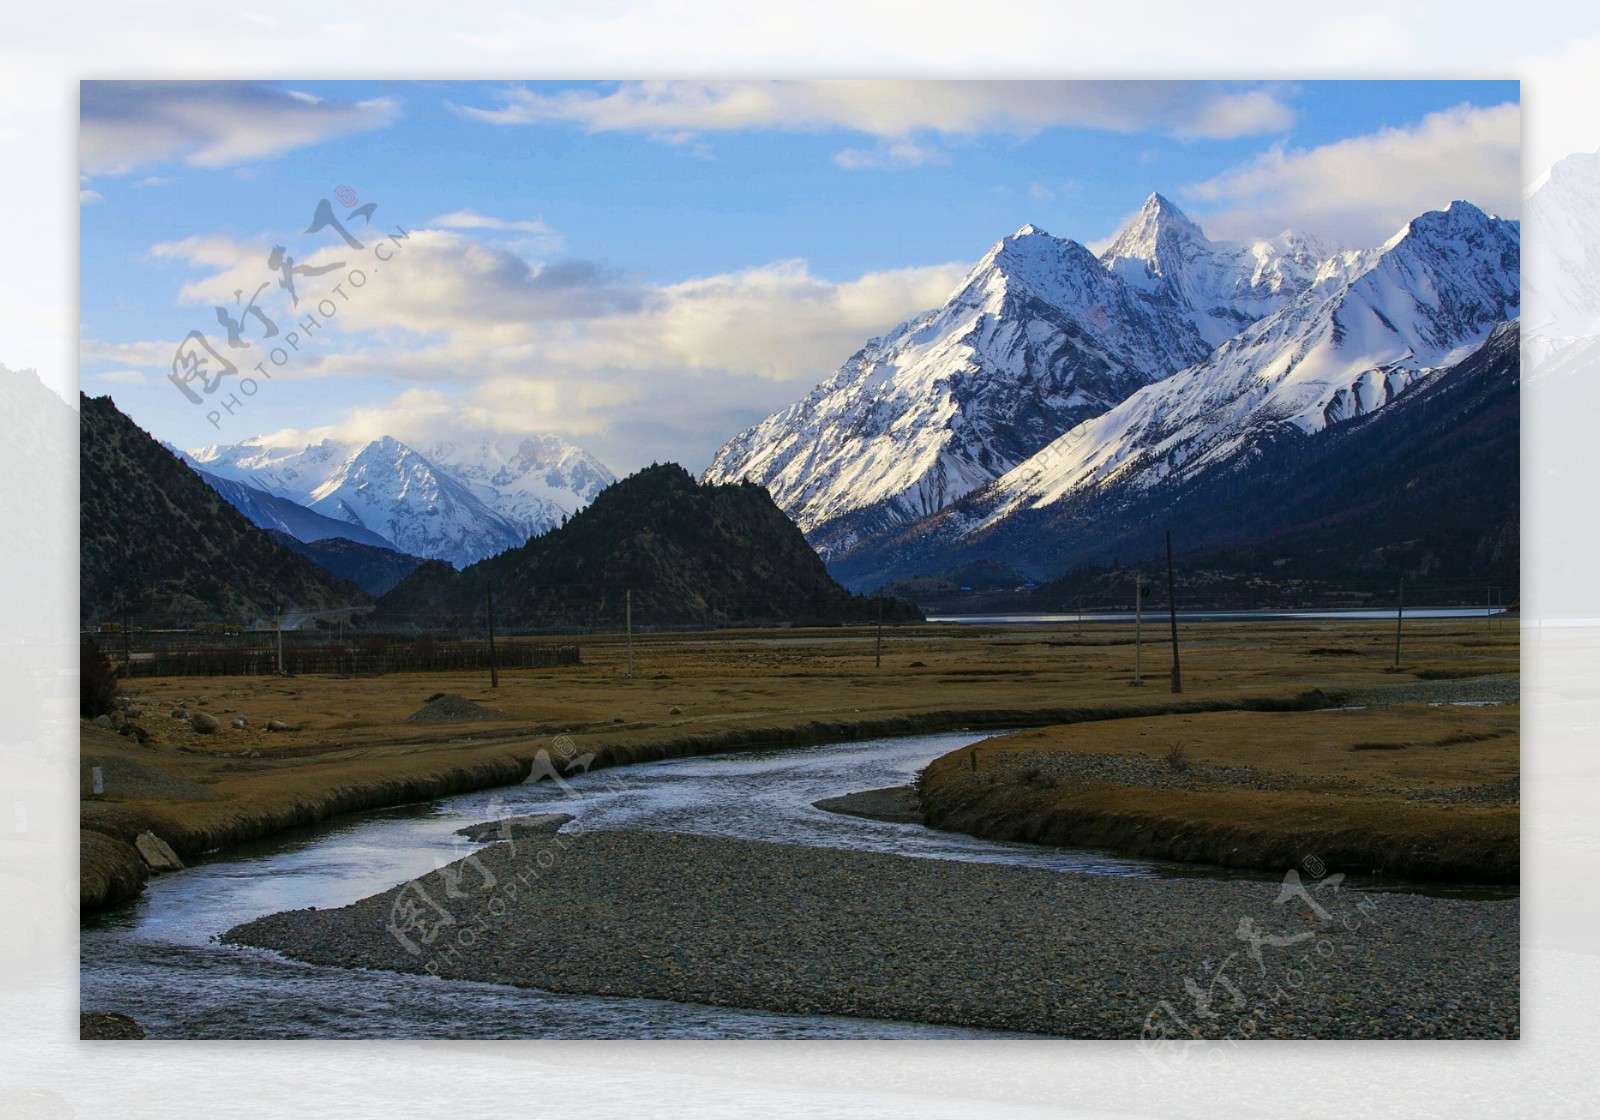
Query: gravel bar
{"points": [[782, 927]]}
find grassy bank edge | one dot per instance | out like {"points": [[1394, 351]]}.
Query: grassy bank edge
{"points": [[1268, 830], [320, 790]]}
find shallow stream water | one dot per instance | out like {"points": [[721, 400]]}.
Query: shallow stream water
{"points": [[155, 957]]}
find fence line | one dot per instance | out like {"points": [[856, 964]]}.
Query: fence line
{"points": [[368, 657]]}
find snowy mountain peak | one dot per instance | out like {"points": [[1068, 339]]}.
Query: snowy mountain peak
{"points": [[1221, 286], [1458, 219], [1051, 372], [1345, 347], [1154, 233], [1030, 252], [1031, 264], [454, 500], [1038, 337], [393, 491]]}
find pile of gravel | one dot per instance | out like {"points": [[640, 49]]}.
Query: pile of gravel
{"points": [[789, 928], [447, 707]]}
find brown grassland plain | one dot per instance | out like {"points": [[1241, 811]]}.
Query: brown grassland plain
{"points": [[1245, 685]]}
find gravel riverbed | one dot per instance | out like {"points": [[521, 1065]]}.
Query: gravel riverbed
{"points": [[784, 927]]}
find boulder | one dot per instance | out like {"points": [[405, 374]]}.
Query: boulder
{"points": [[239, 723], [109, 870], [278, 725], [205, 723], [103, 721], [156, 853]]}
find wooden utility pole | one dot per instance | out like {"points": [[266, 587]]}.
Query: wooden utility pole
{"points": [[1399, 615], [494, 666], [1172, 611], [628, 596], [1138, 636], [877, 657]]}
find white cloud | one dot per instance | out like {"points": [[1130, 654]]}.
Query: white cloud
{"points": [[777, 322], [895, 109], [1360, 190], [888, 155], [206, 251], [148, 355], [537, 236], [88, 197], [128, 125], [486, 339], [468, 219]]}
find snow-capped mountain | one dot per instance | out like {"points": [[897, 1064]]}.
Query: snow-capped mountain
{"points": [[270, 511], [390, 489], [1039, 337], [1369, 328], [534, 481], [1222, 287], [291, 472], [460, 502], [1345, 347]]}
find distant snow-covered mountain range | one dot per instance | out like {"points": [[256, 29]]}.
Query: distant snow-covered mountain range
{"points": [[1051, 375], [457, 501]]}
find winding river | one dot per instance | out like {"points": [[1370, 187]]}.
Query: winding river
{"points": [[155, 957]]}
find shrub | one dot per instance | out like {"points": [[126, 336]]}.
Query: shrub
{"points": [[1177, 757]]}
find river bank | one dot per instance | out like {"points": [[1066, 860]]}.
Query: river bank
{"points": [[794, 928], [353, 745], [1407, 790]]}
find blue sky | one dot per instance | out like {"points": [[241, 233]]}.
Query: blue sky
{"points": [[648, 268]]}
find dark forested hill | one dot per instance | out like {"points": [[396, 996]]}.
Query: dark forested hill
{"points": [[689, 553], [160, 543]]}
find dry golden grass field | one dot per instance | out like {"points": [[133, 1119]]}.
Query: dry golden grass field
{"points": [[350, 748]]}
